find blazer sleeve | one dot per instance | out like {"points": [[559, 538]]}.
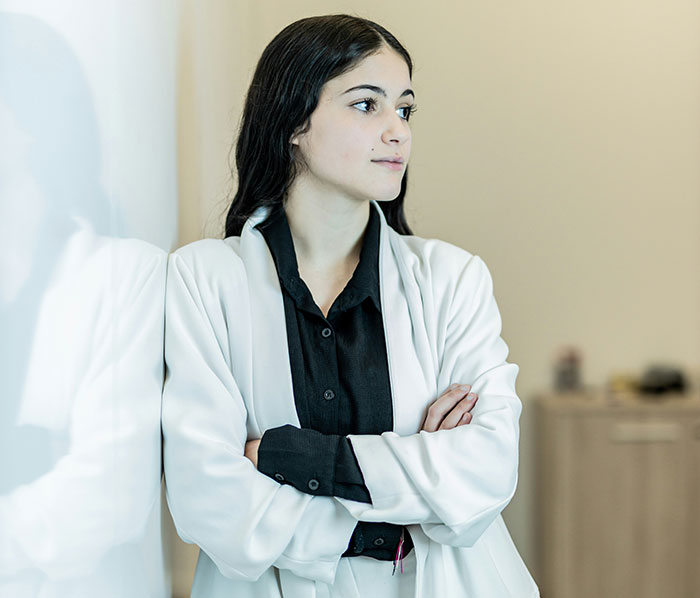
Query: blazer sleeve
{"points": [[454, 483], [242, 519]]}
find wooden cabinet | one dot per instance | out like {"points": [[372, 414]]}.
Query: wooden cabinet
{"points": [[618, 496]]}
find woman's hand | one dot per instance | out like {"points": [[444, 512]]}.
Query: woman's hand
{"points": [[251, 451], [452, 409]]}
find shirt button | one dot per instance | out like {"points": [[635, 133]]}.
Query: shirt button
{"points": [[313, 484], [329, 395], [279, 477], [326, 332], [378, 542]]}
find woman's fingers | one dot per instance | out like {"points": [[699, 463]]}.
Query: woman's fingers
{"points": [[444, 405], [459, 413], [466, 419]]}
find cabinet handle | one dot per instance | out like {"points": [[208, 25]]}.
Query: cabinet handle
{"points": [[646, 432]]}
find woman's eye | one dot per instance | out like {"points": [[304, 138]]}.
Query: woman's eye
{"points": [[370, 104], [407, 111]]}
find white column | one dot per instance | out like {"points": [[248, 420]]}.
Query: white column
{"points": [[88, 209]]}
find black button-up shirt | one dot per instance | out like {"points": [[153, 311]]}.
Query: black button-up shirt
{"points": [[340, 376]]}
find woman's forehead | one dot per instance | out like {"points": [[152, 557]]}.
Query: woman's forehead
{"points": [[386, 70]]}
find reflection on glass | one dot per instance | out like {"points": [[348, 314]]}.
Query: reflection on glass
{"points": [[81, 321]]}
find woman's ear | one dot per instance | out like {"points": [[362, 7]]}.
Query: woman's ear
{"points": [[299, 133], [296, 136]]}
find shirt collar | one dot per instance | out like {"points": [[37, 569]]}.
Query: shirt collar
{"points": [[364, 282]]}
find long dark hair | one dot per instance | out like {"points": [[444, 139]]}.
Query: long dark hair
{"points": [[285, 90]]}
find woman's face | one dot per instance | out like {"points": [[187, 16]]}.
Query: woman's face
{"points": [[361, 121]]}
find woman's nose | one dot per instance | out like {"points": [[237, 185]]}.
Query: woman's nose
{"points": [[397, 130]]}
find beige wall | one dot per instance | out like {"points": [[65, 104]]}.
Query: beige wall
{"points": [[558, 140]]}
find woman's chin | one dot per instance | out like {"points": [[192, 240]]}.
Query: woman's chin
{"points": [[388, 194]]}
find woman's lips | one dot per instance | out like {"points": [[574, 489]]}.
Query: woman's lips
{"points": [[388, 164]]}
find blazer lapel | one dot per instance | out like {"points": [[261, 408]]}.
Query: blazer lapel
{"points": [[412, 362], [273, 393]]}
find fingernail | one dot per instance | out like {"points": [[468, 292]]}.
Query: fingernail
{"points": [[471, 396]]}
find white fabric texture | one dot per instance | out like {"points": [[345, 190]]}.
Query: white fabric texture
{"points": [[228, 380]]}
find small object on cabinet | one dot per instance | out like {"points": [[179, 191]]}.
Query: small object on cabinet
{"points": [[659, 379], [567, 370], [621, 383]]}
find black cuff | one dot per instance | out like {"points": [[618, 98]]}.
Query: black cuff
{"points": [[349, 481], [314, 463], [300, 457]]}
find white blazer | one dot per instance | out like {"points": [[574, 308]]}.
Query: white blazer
{"points": [[229, 379]]}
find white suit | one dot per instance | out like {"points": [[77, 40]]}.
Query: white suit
{"points": [[228, 380]]}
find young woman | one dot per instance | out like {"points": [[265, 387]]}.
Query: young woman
{"points": [[322, 434]]}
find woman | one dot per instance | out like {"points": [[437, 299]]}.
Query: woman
{"points": [[318, 436]]}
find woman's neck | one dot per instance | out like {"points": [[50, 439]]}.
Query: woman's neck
{"points": [[327, 232]]}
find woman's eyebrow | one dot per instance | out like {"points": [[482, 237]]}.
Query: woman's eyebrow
{"points": [[379, 90]]}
